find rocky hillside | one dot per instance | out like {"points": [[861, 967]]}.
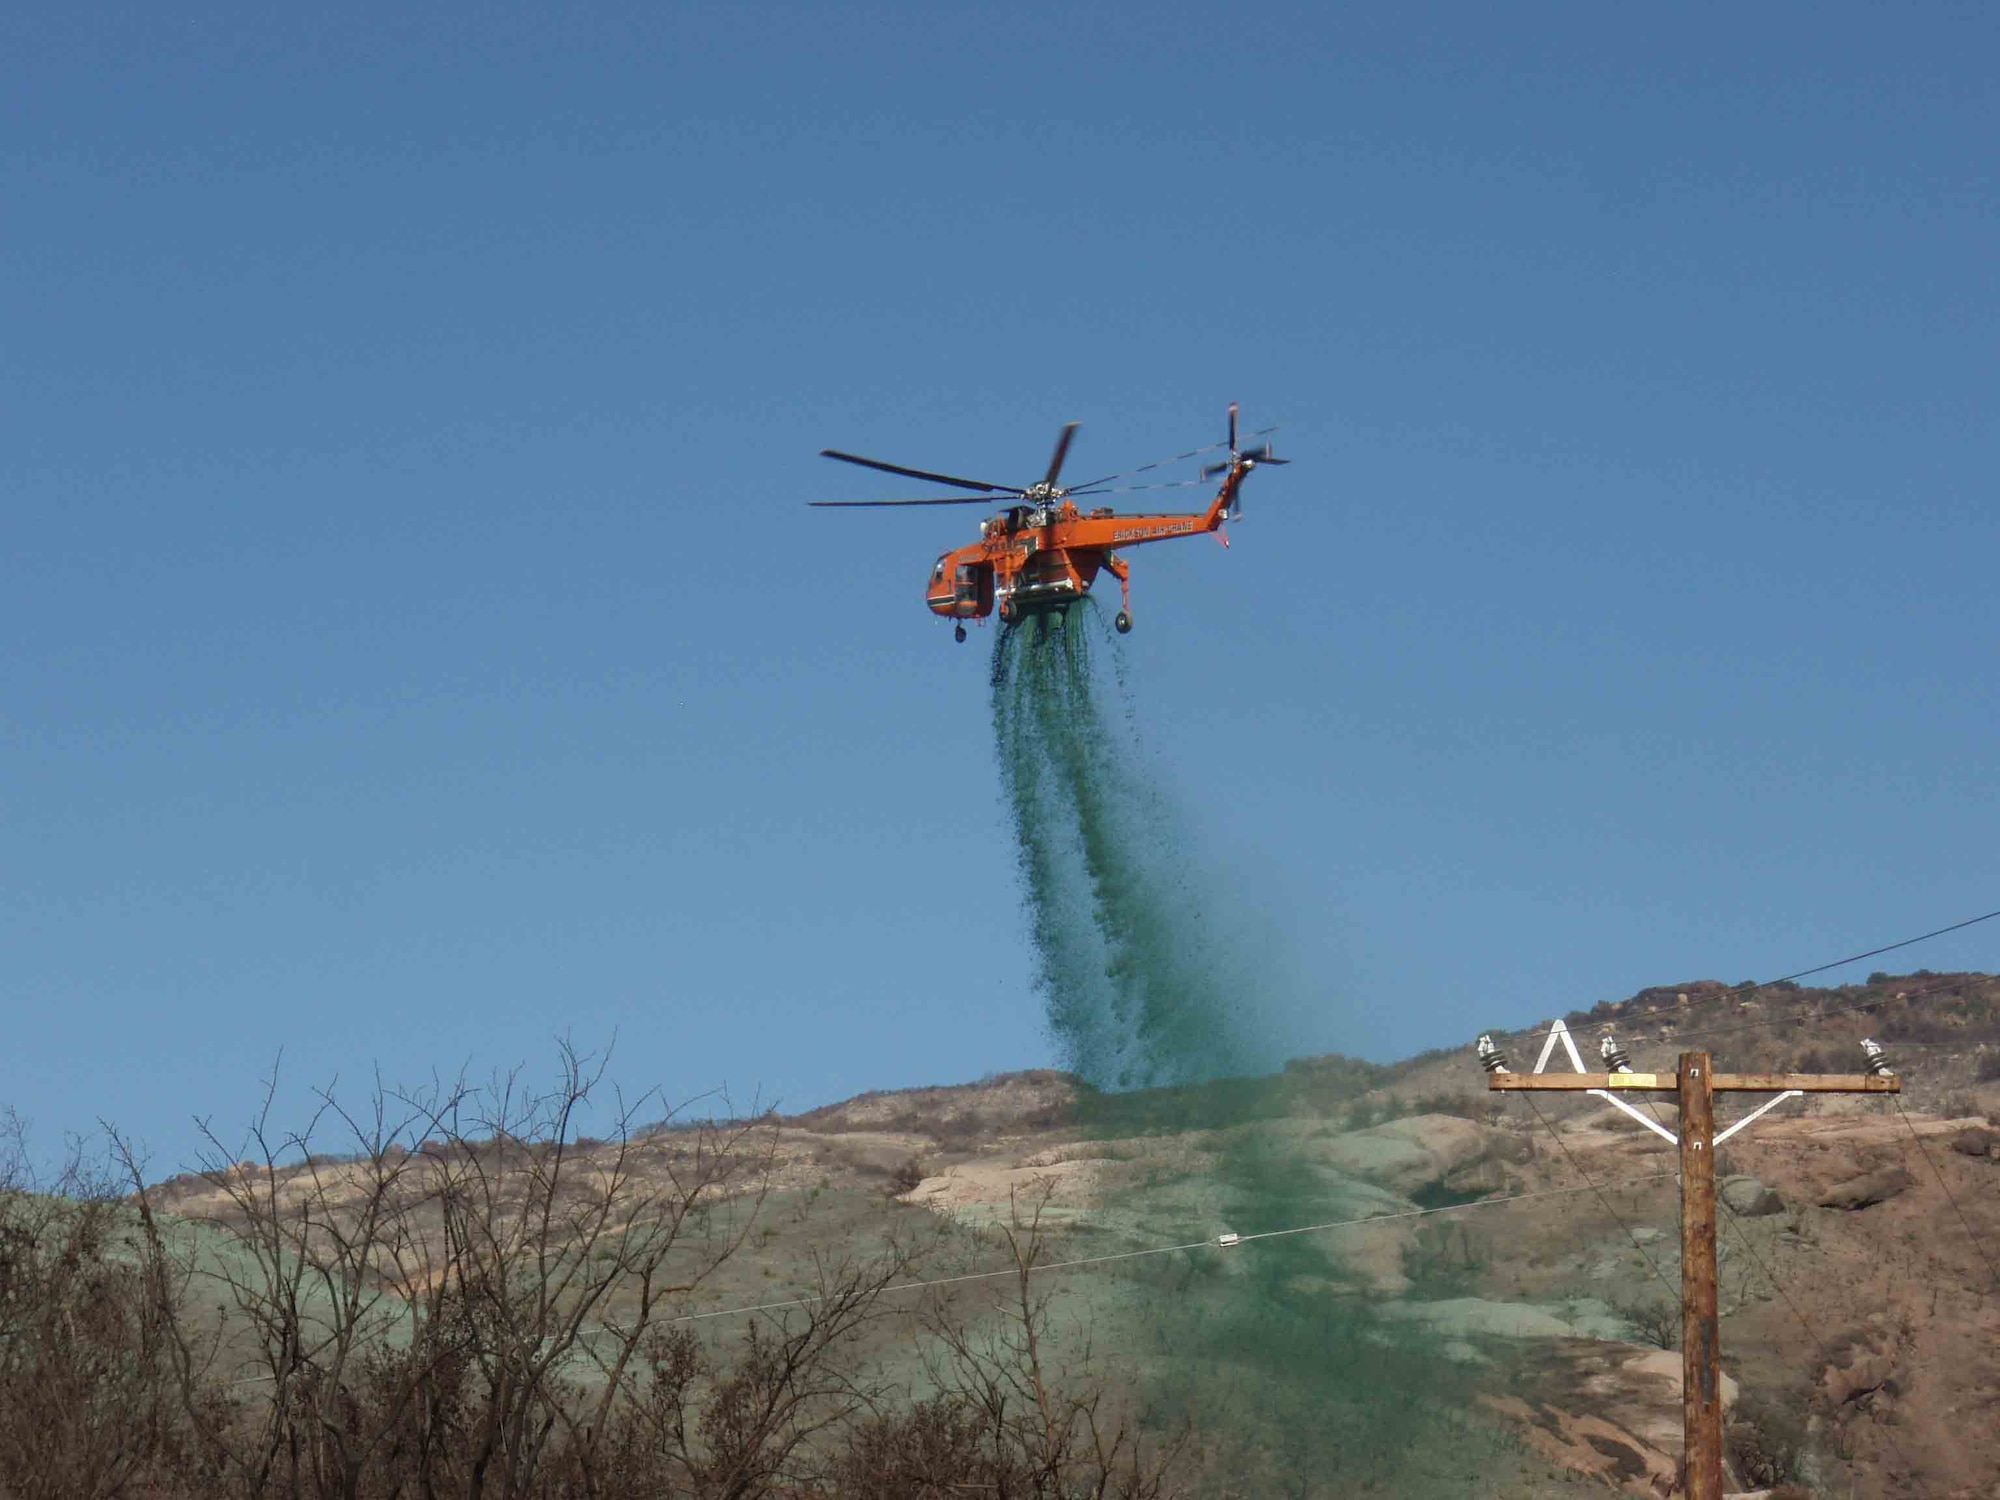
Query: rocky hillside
{"points": [[1861, 1311]]}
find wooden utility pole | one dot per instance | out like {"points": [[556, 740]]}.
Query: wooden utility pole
{"points": [[1697, 1086], [1701, 1352]]}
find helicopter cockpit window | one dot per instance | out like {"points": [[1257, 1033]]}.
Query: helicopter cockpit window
{"points": [[937, 572], [968, 581]]}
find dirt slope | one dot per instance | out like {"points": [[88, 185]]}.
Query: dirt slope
{"points": [[1862, 1342]]}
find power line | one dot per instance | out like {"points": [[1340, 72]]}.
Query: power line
{"points": [[1803, 1016], [1658, 1275], [1743, 1239], [1680, 1199], [1853, 958], [1820, 1345], [1736, 991], [1936, 1172], [1903, 997], [1208, 1244], [1702, 1410], [1099, 1260]]}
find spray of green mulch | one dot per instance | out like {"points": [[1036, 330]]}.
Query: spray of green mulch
{"points": [[1120, 929], [1295, 1384]]}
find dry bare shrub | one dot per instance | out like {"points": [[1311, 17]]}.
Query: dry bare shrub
{"points": [[89, 1408], [1767, 1441], [1656, 1320], [463, 1300], [1445, 1256], [461, 1288], [1009, 1420]]}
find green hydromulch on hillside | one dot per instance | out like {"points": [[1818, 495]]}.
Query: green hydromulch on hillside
{"points": [[1295, 1385]]}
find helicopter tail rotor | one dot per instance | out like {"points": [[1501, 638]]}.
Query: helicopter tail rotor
{"points": [[1238, 455]]}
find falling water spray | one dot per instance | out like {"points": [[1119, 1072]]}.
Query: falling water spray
{"points": [[1128, 955], [1298, 1385]]}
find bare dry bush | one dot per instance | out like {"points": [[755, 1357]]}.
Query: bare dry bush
{"points": [[1656, 1320], [1008, 1420], [1767, 1439], [1443, 1257], [87, 1404], [464, 1300], [459, 1289]]}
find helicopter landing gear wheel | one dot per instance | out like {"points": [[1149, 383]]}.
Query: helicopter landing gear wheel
{"points": [[958, 634], [1006, 612], [1123, 624]]}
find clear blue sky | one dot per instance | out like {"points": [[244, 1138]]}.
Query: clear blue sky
{"points": [[417, 648]]}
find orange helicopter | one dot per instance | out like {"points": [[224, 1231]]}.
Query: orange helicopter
{"points": [[1043, 552]]}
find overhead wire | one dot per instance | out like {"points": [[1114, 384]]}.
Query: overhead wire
{"points": [[1821, 1347], [1658, 1275], [1742, 1238], [1951, 1197], [1590, 1185], [1739, 991], [1802, 1016], [1080, 1262], [1979, 1248], [1680, 1199]]}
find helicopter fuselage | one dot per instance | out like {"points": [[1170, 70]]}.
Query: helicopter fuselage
{"points": [[1045, 555]]}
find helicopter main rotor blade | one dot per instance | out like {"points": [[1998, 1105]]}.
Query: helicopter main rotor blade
{"points": [[951, 479], [933, 500], [1161, 463], [1126, 489], [1062, 452]]}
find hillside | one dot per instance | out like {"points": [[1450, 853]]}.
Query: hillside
{"points": [[1863, 1342]]}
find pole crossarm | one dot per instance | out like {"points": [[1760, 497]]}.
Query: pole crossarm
{"points": [[1723, 1083]]}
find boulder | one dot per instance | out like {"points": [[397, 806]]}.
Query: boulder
{"points": [[1750, 1198], [1975, 1141], [1867, 1189]]}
